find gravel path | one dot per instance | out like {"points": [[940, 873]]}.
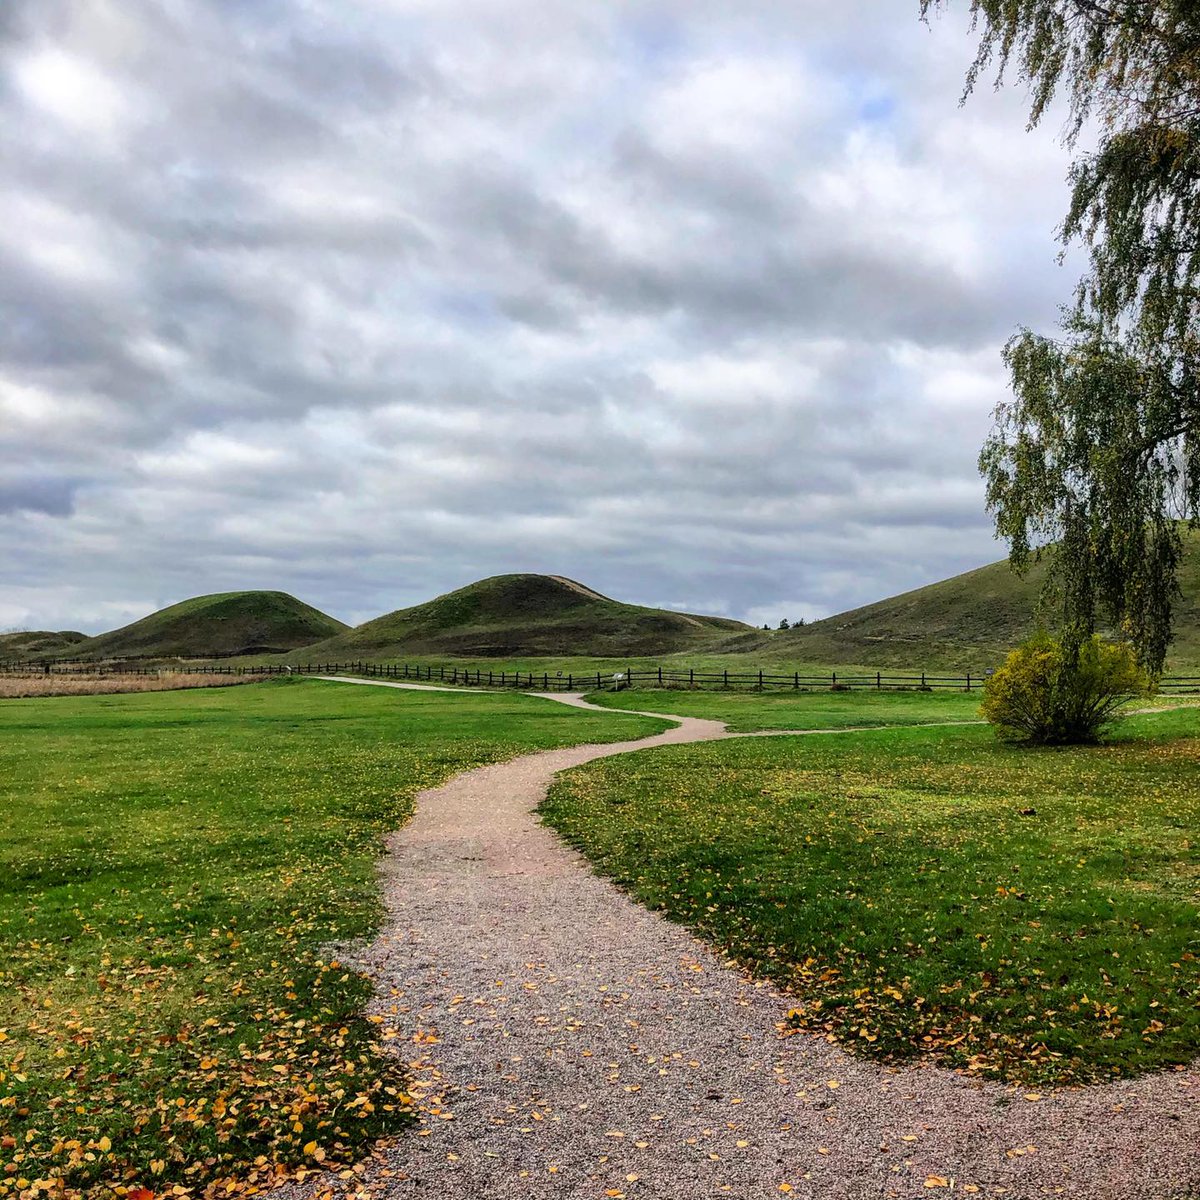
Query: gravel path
{"points": [[565, 1042]]}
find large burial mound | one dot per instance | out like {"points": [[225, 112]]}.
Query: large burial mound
{"points": [[525, 616], [26, 644], [964, 623], [221, 624]]}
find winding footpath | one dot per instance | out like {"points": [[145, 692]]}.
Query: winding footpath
{"points": [[565, 1042]]}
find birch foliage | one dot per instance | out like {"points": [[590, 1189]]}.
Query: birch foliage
{"points": [[1098, 451]]}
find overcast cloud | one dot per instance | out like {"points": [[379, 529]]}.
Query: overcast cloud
{"points": [[700, 303]]}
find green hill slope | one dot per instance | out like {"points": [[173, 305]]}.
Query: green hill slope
{"points": [[15, 647], [514, 615], [225, 623], [967, 622]]}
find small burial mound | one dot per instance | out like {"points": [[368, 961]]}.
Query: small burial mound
{"points": [[226, 623], [525, 615], [37, 643]]}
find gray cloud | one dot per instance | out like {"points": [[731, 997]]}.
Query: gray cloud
{"points": [[365, 301], [37, 494]]}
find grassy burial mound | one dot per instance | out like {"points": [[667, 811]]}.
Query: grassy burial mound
{"points": [[26, 643], [513, 615], [967, 622], [225, 623]]}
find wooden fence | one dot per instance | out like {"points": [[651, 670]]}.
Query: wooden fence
{"points": [[569, 680]]}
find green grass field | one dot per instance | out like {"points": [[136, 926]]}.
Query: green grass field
{"points": [[746, 712], [180, 871], [173, 871], [1028, 915]]}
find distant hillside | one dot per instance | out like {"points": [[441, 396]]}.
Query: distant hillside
{"points": [[970, 621], [33, 643], [225, 623], [515, 615]]}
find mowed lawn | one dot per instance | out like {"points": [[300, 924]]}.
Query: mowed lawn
{"points": [[1032, 915], [173, 871], [746, 712]]}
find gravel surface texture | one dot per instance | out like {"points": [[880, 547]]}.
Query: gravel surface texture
{"points": [[565, 1042]]}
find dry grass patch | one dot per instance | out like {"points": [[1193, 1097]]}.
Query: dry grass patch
{"points": [[27, 687]]}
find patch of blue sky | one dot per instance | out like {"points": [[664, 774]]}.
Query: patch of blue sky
{"points": [[269, 15], [877, 110], [466, 309], [653, 41]]}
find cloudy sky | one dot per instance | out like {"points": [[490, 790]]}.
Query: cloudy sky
{"points": [[698, 302]]}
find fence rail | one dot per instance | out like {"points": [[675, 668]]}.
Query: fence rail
{"points": [[564, 681]]}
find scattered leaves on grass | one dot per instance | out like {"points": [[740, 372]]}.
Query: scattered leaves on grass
{"points": [[174, 873], [888, 880]]}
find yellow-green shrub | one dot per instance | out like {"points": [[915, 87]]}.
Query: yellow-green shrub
{"points": [[1052, 692]]}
